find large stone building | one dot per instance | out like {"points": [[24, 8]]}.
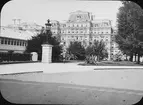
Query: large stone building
{"points": [[81, 26]]}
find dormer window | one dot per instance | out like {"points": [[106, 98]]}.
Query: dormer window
{"points": [[78, 17]]}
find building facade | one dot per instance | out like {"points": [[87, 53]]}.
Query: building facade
{"points": [[81, 26], [13, 38]]}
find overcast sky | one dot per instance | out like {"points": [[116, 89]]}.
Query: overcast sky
{"points": [[39, 11]]}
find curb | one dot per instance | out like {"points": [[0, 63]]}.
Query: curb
{"points": [[22, 73], [116, 68]]}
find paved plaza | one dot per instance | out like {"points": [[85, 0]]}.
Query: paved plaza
{"points": [[124, 77], [65, 94], [65, 83]]}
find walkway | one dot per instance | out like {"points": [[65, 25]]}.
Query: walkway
{"points": [[55, 67]]}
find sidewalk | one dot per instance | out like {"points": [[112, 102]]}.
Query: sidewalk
{"points": [[57, 67]]}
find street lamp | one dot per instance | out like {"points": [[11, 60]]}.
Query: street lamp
{"points": [[46, 47], [48, 28], [48, 25]]}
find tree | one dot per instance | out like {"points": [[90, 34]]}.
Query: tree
{"points": [[96, 51], [77, 50], [34, 44], [129, 37]]}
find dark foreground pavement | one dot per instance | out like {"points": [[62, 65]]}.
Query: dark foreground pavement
{"points": [[16, 91]]}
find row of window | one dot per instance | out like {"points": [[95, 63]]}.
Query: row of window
{"points": [[91, 37], [75, 25], [100, 32], [85, 32], [101, 25], [81, 38], [85, 25], [13, 42]]}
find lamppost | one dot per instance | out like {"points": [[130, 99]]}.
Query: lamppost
{"points": [[46, 47], [48, 28]]}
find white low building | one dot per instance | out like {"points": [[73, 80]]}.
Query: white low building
{"points": [[13, 39]]}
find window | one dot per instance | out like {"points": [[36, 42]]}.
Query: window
{"points": [[5, 41], [25, 44], [20, 43], [102, 36], [15, 42], [11, 42], [8, 42], [2, 41]]}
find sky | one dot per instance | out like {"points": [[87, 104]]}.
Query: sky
{"points": [[39, 11]]}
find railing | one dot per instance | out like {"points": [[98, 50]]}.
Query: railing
{"points": [[8, 57]]}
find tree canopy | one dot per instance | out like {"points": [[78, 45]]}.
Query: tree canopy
{"points": [[130, 26], [34, 44], [97, 49], [77, 50]]}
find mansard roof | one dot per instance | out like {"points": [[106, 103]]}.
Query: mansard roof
{"points": [[80, 16]]}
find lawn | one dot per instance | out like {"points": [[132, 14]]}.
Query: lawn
{"points": [[113, 63]]}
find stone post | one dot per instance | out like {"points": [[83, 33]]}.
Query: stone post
{"points": [[134, 59], [34, 56], [46, 53]]}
